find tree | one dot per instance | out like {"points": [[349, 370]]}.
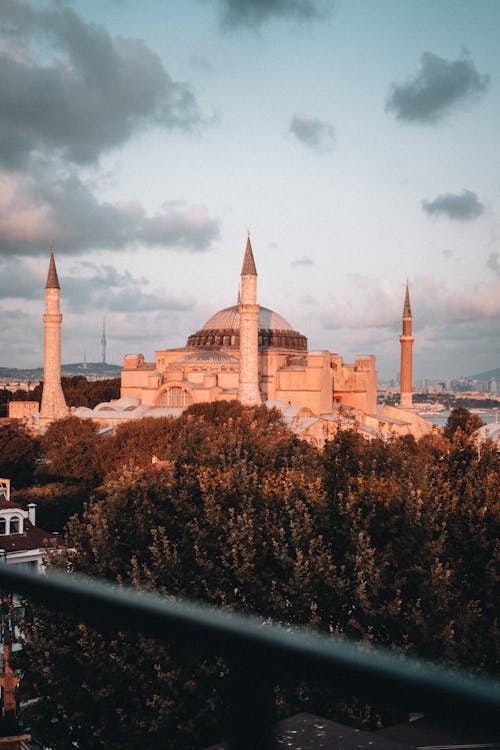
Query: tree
{"points": [[56, 502], [390, 543], [71, 450], [18, 453], [78, 391], [461, 418]]}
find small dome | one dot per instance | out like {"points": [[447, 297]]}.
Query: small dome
{"points": [[208, 357], [222, 331]]}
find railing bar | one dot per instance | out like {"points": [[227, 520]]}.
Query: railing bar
{"points": [[364, 672], [252, 705]]}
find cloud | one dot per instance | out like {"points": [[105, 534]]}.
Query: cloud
{"points": [[255, 13], [88, 287], [18, 280], [493, 263], [304, 261], [311, 131], [452, 327], [438, 87], [201, 63], [479, 301], [463, 207], [75, 90], [308, 300], [39, 209], [378, 304]]}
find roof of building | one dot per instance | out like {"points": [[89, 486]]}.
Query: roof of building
{"points": [[311, 732], [126, 408], [489, 432], [52, 280], [7, 505], [222, 331], [31, 538], [229, 319], [306, 731], [248, 261], [210, 356]]}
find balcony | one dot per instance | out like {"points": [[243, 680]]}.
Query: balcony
{"points": [[261, 655]]}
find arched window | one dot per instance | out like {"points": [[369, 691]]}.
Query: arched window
{"points": [[175, 396], [14, 525], [2, 525]]}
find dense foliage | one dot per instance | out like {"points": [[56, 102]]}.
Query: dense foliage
{"points": [[461, 418], [392, 543], [78, 391], [18, 453]]}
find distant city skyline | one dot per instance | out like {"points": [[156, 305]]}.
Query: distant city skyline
{"points": [[358, 142]]}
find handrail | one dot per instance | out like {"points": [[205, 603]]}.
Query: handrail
{"points": [[269, 652]]}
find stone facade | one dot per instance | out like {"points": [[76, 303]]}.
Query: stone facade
{"points": [[24, 410]]}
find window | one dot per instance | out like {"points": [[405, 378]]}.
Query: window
{"points": [[14, 525], [175, 396], [31, 566], [2, 525]]}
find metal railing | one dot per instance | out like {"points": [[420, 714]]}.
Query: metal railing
{"points": [[263, 654]]}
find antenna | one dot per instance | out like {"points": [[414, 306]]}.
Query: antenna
{"points": [[103, 341]]}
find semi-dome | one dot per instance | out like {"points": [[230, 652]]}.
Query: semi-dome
{"points": [[222, 331]]}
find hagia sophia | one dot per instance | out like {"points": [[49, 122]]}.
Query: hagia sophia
{"points": [[249, 353]]}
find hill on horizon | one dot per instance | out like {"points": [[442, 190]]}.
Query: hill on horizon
{"points": [[87, 369], [488, 375]]}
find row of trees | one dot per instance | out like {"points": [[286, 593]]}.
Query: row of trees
{"points": [[78, 391], [392, 543]]}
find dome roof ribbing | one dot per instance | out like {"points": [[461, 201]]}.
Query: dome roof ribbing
{"points": [[222, 331], [229, 318], [207, 357]]}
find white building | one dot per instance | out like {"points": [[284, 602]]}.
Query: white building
{"points": [[21, 541]]}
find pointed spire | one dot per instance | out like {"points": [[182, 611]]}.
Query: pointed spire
{"points": [[407, 308], [248, 261], [52, 280]]}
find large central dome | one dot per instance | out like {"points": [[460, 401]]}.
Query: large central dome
{"points": [[222, 331], [229, 318]]}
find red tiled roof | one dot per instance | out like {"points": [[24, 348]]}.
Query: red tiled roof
{"points": [[7, 505], [31, 538]]}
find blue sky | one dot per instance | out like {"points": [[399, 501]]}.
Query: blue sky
{"points": [[357, 140]]}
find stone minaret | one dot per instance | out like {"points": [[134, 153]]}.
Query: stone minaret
{"points": [[248, 391], [53, 401], [406, 340]]}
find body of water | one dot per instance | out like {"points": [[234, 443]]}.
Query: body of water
{"points": [[489, 416]]}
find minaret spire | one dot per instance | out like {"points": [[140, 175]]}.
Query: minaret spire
{"points": [[52, 280], [248, 391], [248, 260], [53, 402], [406, 307], [406, 339]]}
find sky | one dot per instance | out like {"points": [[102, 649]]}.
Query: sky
{"points": [[356, 140]]}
